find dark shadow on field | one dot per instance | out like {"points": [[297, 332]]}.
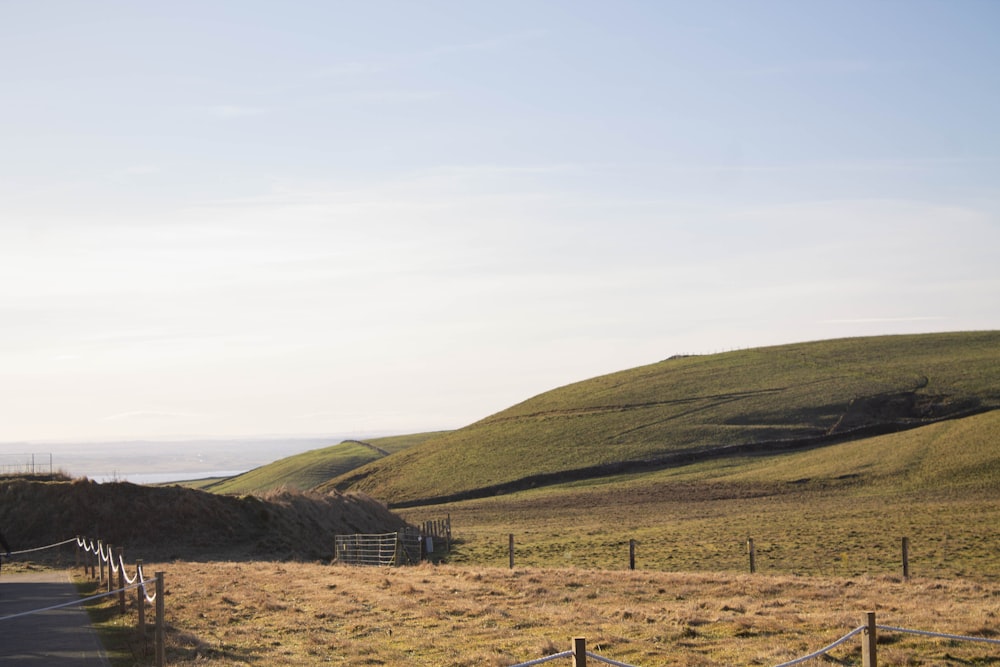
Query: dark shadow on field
{"points": [[839, 434]]}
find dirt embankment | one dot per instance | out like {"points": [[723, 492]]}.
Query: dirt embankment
{"points": [[175, 522]]}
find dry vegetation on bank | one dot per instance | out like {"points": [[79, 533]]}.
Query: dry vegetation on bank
{"points": [[259, 613]]}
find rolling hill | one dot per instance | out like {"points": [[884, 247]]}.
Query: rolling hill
{"points": [[694, 408], [310, 469]]}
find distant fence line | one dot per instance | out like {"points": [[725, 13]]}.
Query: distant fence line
{"points": [[95, 555], [751, 551], [26, 464], [869, 646]]}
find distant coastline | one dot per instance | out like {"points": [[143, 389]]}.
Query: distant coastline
{"points": [[167, 477]]}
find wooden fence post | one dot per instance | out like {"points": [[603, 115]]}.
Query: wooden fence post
{"points": [[121, 580], [752, 550], [631, 554], [510, 549], [100, 561], [906, 559], [579, 652], [78, 551], [869, 640], [111, 571], [140, 601], [160, 623]]}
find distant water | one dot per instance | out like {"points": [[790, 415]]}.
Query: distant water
{"points": [[166, 477], [158, 461]]}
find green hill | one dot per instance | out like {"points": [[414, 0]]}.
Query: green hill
{"points": [[839, 509], [687, 409], [309, 469]]}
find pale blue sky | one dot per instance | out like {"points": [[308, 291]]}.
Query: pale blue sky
{"points": [[249, 218]]}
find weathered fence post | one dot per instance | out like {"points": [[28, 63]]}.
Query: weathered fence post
{"points": [[631, 554], [579, 652], [78, 551], [121, 580], [869, 650], [100, 561], [140, 601], [160, 624], [111, 570], [510, 549], [906, 559], [752, 550]]}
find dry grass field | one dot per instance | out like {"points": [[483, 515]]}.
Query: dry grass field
{"points": [[269, 613]]}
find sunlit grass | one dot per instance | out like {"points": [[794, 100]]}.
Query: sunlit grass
{"points": [[249, 613], [692, 404]]}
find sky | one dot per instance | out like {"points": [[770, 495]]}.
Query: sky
{"points": [[240, 218]]}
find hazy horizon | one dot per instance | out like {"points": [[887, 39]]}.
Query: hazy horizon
{"points": [[169, 459]]}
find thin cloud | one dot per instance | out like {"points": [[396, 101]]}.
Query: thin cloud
{"points": [[879, 320], [391, 62], [148, 414], [488, 44], [140, 170], [226, 111], [829, 67]]}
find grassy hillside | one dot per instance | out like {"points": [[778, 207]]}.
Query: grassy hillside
{"points": [[687, 408], [309, 469], [834, 510]]}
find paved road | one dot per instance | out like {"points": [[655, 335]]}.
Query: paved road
{"points": [[58, 637]]}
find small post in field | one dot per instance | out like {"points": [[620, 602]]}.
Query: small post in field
{"points": [[869, 650], [510, 549], [579, 652], [752, 550], [160, 622], [631, 554], [100, 561], [78, 551], [906, 559]]}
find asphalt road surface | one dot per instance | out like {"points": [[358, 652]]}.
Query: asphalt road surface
{"points": [[61, 637]]}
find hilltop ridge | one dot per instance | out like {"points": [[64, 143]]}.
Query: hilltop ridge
{"points": [[690, 408]]}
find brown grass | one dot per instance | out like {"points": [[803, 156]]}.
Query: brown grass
{"points": [[259, 613]]}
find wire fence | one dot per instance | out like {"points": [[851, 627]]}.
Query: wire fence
{"points": [[26, 464], [579, 652]]}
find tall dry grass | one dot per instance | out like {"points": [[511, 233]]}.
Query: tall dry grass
{"points": [[260, 613]]}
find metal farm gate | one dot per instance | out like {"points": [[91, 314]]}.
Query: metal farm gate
{"points": [[385, 550]]}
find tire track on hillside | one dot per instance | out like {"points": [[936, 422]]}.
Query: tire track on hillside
{"points": [[687, 457], [377, 450], [625, 407]]}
